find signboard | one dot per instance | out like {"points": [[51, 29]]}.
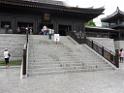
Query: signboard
{"points": [[46, 17], [56, 37]]}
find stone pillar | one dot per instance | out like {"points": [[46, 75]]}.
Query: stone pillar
{"points": [[119, 35], [84, 31], [56, 28], [35, 27], [14, 25]]}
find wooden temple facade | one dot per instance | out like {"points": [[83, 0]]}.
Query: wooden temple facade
{"points": [[16, 15]]}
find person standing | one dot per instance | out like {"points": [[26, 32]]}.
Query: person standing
{"points": [[50, 33], [18, 30], [45, 30], [121, 53], [6, 57], [30, 31]]}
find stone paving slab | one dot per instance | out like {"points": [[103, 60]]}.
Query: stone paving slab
{"points": [[89, 82]]}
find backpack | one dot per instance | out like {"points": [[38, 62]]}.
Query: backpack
{"points": [[9, 54]]}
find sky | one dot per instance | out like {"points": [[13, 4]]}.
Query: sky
{"points": [[109, 5]]}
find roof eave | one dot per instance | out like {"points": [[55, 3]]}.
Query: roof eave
{"points": [[118, 12], [52, 7]]}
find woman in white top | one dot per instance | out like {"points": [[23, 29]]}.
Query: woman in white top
{"points": [[6, 56]]}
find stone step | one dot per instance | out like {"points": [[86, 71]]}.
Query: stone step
{"points": [[53, 66], [65, 61], [62, 63], [58, 71], [56, 57], [72, 53], [67, 68]]}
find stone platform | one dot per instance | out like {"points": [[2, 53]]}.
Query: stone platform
{"points": [[88, 82]]}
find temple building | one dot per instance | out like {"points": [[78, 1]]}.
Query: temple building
{"points": [[102, 32], [115, 21], [16, 15]]}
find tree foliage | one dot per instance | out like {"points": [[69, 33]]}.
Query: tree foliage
{"points": [[90, 23]]}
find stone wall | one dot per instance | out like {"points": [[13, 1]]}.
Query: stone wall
{"points": [[119, 44], [14, 43]]}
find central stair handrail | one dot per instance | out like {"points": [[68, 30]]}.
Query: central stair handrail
{"points": [[24, 66]]}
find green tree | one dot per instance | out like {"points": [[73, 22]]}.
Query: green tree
{"points": [[90, 23]]}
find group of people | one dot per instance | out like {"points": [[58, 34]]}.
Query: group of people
{"points": [[121, 55], [22, 30], [47, 31], [50, 32]]}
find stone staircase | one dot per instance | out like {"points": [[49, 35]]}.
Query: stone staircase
{"points": [[14, 43], [46, 57]]}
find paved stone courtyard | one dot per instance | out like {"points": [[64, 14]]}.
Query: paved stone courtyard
{"points": [[89, 82]]}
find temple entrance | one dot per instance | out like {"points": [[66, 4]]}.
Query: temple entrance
{"points": [[21, 27], [48, 25], [63, 29]]}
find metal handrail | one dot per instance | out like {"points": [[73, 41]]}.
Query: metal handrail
{"points": [[113, 53], [109, 55]]}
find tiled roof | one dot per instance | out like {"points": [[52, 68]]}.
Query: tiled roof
{"points": [[114, 16], [53, 2]]}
